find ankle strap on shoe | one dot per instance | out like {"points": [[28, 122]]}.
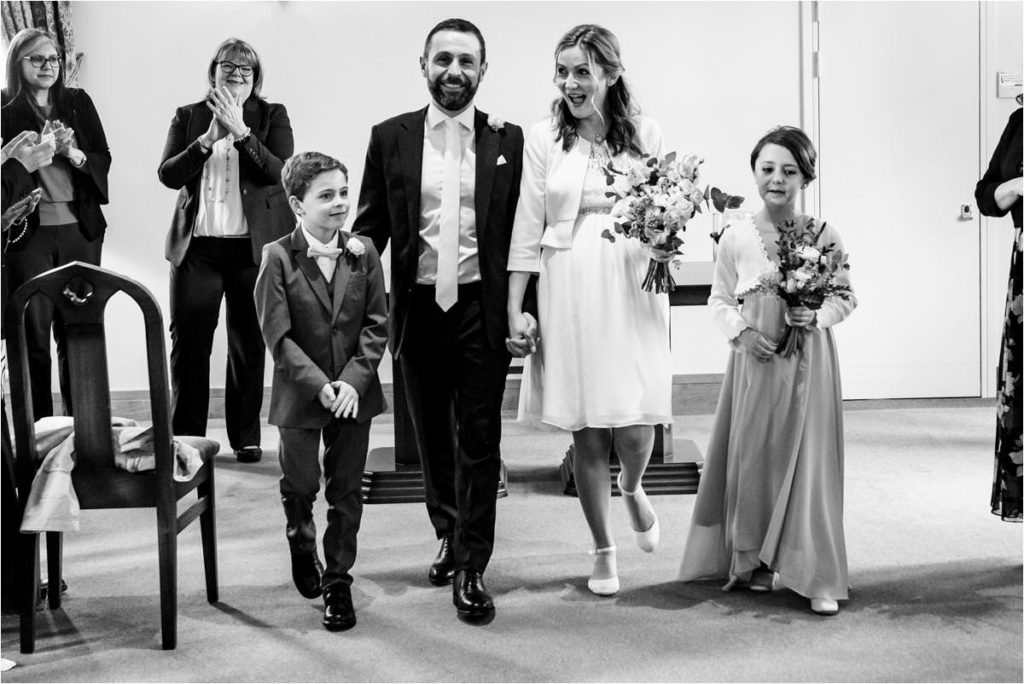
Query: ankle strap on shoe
{"points": [[602, 552]]}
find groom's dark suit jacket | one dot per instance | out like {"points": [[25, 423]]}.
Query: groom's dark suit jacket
{"points": [[389, 208]]}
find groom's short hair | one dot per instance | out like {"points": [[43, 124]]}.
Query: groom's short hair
{"points": [[462, 26]]}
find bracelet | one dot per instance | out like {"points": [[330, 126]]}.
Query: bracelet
{"points": [[244, 136], [84, 159], [203, 147]]}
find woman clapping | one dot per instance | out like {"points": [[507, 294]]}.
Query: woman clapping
{"points": [[67, 225], [224, 154]]}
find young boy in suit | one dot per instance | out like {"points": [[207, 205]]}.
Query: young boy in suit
{"points": [[322, 309]]}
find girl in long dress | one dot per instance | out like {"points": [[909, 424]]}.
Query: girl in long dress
{"points": [[770, 501], [602, 370]]}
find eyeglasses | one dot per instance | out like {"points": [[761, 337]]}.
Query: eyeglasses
{"points": [[38, 61], [229, 67]]}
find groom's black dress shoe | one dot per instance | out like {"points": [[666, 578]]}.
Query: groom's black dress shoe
{"points": [[249, 454], [442, 570], [472, 602], [306, 572], [339, 614]]}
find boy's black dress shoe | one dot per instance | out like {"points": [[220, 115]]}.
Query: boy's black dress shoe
{"points": [[249, 454], [306, 573], [442, 570], [339, 614], [472, 602]]}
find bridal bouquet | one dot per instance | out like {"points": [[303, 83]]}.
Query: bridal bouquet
{"points": [[806, 276], [654, 200]]}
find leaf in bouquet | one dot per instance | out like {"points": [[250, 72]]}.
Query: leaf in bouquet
{"points": [[718, 199], [669, 158], [607, 235], [612, 195], [652, 162], [733, 202]]}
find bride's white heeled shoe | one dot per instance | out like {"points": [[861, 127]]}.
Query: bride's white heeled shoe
{"points": [[647, 539], [604, 561]]}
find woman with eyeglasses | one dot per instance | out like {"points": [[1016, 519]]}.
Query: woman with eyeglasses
{"points": [[67, 225], [224, 155]]}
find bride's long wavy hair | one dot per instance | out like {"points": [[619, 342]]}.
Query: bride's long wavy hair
{"points": [[602, 48]]}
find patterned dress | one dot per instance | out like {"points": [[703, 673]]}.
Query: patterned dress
{"points": [[1006, 486]]}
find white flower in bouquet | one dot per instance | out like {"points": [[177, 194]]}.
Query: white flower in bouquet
{"points": [[809, 253], [637, 174]]}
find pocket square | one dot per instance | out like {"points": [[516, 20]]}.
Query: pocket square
{"points": [[501, 160]]}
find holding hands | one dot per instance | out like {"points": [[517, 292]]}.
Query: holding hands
{"points": [[32, 150], [753, 342], [340, 398], [523, 335]]}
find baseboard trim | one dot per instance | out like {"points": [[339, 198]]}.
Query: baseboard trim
{"points": [[691, 395]]}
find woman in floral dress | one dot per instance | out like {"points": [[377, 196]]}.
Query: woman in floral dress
{"points": [[997, 193]]}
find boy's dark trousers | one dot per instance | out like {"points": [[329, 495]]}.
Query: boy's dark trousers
{"points": [[346, 443]]}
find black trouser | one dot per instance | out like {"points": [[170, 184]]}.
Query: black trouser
{"points": [[48, 248], [346, 443], [214, 269], [455, 382]]}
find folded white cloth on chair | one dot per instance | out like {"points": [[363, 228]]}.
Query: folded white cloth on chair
{"points": [[52, 504]]}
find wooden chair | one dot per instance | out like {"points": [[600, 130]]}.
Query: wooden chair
{"points": [[79, 293]]}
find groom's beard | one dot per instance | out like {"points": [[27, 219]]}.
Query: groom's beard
{"points": [[453, 101]]}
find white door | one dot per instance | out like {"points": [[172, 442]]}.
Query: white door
{"points": [[899, 150]]}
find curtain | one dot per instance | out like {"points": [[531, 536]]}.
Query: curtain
{"points": [[52, 17]]}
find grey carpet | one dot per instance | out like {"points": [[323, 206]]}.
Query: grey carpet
{"points": [[936, 584]]}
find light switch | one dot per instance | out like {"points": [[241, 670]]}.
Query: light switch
{"points": [[1009, 85]]}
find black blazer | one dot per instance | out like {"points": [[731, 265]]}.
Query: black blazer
{"points": [[389, 208], [1004, 165], [261, 158], [90, 182]]}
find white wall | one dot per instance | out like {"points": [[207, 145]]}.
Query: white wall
{"points": [[716, 76], [1002, 50]]}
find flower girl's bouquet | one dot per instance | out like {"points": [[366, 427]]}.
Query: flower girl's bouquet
{"points": [[806, 276], [654, 200]]}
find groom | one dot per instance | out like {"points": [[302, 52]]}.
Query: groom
{"points": [[442, 184]]}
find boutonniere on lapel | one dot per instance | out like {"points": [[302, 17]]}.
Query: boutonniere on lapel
{"points": [[495, 123], [354, 248]]}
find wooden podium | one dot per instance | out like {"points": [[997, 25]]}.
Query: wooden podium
{"points": [[676, 463]]}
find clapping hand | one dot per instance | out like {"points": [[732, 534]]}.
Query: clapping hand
{"points": [[64, 140], [33, 155], [753, 342], [227, 109], [20, 209], [523, 336]]}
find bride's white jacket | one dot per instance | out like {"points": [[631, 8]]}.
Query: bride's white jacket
{"points": [[551, 187]]}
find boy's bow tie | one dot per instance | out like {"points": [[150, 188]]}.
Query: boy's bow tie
{"points": [[330, 252]]}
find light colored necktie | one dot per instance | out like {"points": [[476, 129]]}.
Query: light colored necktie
{"points": [[446, 290]]}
